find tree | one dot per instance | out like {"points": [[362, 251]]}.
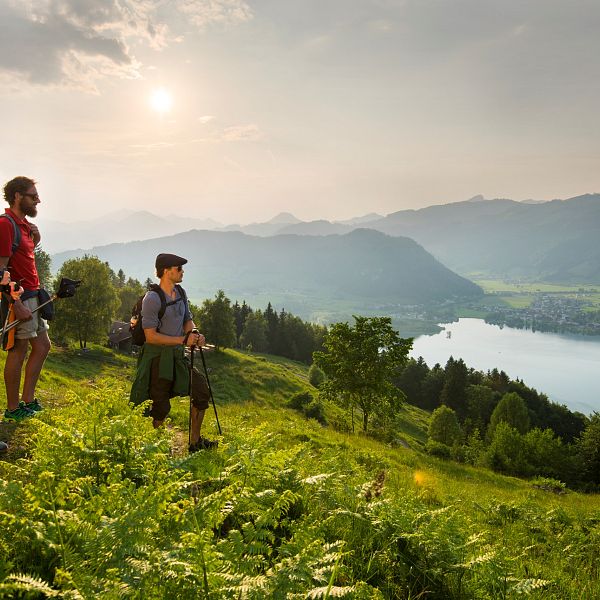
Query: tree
{"points": [[119, 280], [128, 293], [547, 454], [87, 316], [43, 263], [255, 332], [432, 387], [272, 329], [480, 405], [240, 314], [453, 392], [361, 362], [217, 322], [511, 410], [507, 451], [410, 380], [588, 448], [444, 427]]}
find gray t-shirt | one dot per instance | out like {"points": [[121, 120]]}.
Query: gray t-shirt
{"points": [[175, 315]]}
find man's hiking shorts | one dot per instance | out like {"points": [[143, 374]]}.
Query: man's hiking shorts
{"points": [[161, 392]]}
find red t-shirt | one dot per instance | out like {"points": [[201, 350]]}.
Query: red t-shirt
{"points": [[22, 263]]}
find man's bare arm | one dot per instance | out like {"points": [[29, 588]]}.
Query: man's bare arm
{"points": [[155, 337]]}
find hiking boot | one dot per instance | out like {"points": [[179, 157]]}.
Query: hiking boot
{"points": [[3, 446], [202, 444], [34, 406], [19, 414]]}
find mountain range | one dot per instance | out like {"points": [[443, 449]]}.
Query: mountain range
{"points": [[363, 268], [550, 241], [120, 226]]}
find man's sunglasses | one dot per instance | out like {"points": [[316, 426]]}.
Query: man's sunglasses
{"points": [[33, 196], [178, 267]]}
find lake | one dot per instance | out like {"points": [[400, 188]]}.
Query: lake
{"points": [[564, 367]]}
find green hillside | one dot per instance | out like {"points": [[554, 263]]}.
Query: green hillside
{"points": [[95, 503]]}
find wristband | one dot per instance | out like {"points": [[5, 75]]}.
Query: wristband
{"points": [[186, 337]]}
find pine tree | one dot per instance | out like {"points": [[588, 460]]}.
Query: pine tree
{"points": [[453, 393], [272, 329], [255, 332], [217, 322]]}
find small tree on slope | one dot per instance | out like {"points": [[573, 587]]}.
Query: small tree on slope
{"points": [[361, 362]]}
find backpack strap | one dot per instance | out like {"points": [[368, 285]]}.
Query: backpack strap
{"points": [[163, 299], [181, 293], [16, 232]]}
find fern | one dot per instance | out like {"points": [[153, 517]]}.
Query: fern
{"points": [[25, 584]]}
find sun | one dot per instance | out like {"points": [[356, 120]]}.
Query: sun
{"points": [[161, 100]]}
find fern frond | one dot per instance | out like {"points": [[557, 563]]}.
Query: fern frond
{"points": [[526, 586], [335, 591], [314, 479], [21, 582]]}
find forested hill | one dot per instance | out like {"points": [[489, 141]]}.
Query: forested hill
{"points": [[361, 266], [555, 240]]}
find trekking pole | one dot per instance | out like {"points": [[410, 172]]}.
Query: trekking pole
{"points": [[210, 390], [191, 391], [4, 326], [9, 305], [66, 289]]}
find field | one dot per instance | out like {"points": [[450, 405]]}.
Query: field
{"points": [[94, 503], [520, 294]]}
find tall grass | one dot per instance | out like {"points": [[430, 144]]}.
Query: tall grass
{"points": [[101, 506]]}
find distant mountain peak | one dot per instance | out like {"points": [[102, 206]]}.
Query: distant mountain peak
{"points": [[284, 218], [478, 198], [360, 220]]}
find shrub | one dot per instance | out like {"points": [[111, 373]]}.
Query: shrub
{"points": [[315, 376], [315, 411], [300, 401], [549, 485], [438, 449]]}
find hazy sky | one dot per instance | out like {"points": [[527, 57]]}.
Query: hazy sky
{"points": [[328, 109]]}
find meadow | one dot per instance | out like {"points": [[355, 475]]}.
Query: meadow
{"points": [[94, 503], [520, 294]]}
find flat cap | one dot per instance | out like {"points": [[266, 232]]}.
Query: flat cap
{"points": [[165, 261]]}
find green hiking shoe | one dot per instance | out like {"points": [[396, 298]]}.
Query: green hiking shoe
{"points": [[19, 414], [34, 406]]}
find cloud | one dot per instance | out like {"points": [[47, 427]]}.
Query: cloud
{"points": [[204, 13], [205, 119], [77, 42], [242, 133]]}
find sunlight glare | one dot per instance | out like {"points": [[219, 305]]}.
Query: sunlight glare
{"points": [[161, 100]]}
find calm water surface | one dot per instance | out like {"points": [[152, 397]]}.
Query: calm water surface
{"points": [[565, 368]]}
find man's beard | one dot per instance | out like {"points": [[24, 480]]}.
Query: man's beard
{"points": [[30, 211]]}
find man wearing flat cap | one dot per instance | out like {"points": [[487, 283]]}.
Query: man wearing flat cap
{"points": [[163, 371]]}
